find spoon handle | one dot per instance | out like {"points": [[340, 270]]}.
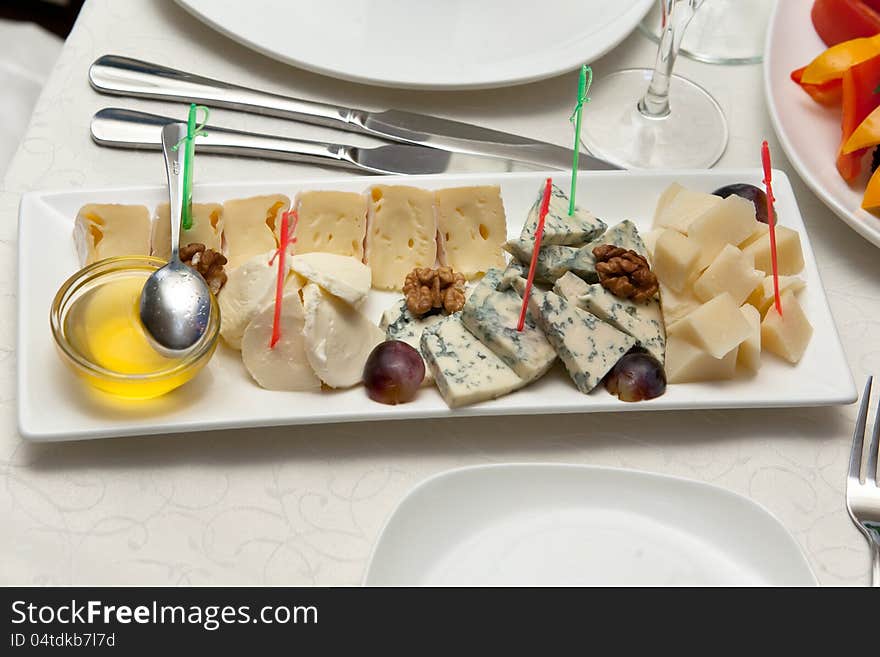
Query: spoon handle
{"points": [[175, 156]]}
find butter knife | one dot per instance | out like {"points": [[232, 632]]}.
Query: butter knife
{"points": [[123, 128], [123, 76]]}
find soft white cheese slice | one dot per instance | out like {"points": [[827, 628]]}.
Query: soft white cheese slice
{"points": [[107, 230], [465, 370], [338, 338], [560, 228], [642, 321], [284, 366], [587, 346], [248, 288], [492, 316], [341, 276], [207, 229]]}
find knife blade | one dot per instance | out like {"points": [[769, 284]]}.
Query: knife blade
{"points": [[124, 128], [124, 76]]}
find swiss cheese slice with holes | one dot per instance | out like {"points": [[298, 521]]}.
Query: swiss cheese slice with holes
{"points": [[401, 233], [207, 229], [472, 228], [249, 226], [330, 222], [106, 230]]}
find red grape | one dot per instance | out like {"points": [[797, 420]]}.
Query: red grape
{"points": [[636, 377], [393, 372]]}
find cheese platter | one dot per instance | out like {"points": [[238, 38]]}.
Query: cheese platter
{"points": [[342, 299]]}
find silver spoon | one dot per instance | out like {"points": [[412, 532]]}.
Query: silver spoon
{"points": [[175, 301]]}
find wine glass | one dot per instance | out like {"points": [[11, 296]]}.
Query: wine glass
{"points": [[652, 119], [723, 32]]}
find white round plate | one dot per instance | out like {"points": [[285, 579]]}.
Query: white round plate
{"points": [[561, 525], [454, 44], [809, 133]]}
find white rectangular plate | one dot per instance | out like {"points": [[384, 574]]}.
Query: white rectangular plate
{"points": [[54, 405]]}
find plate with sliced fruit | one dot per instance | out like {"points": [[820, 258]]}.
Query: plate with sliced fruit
{"points": [[422, 297]]}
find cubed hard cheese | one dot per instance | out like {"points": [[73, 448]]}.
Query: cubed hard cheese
{"points": [[400, 324], [587, 346], [559, 227], [786, 335], [106, 230], [749, 355], [789, 256], [687, 363], [338, 338], [650, 239], [763, 296], [728, 222], [731, 271], [472, 228], [717, 326], [676, 305], [492, 316], [284, 366], [642, 321], [679, 207], [401, 233], [342, 276], [464, 369], [758, 231], [675, 259], [249, 226], [331, 222], [207, 229]]}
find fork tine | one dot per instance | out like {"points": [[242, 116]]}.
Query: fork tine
{"points": [[855, 457], [871, 465]]}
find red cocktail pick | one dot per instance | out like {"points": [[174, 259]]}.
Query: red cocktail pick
{"points": [[771, 221], [539, 232], [285, 240]]}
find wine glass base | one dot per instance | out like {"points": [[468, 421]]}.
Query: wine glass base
{"points": [[721, 31], [692, 136]]}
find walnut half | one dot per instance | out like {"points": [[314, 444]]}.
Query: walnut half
{"points": [[208, 262], [426, 289], [625, 273]]}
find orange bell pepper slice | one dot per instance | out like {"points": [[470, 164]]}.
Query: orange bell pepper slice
{"points": [[832, 63], [859, 101], [828, 94], [871, 199]]}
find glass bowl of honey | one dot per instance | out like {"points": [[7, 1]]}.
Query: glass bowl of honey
{"points": [[97, 329]]}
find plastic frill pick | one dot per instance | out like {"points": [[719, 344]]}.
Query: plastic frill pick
{"points": [[192, 131], [586, 79], [286, 239], [539, 232], [771, 221]]}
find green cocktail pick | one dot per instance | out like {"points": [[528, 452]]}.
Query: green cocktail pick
{"points": [[192, 131], [586, 79]]}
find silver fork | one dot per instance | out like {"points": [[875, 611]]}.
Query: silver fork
{"points": [[863, 499]]}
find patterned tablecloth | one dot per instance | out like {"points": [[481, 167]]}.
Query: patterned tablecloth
{"points": [[305, 505]]}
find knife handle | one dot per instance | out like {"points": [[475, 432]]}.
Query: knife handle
{"points": [[122, 128], [124, 76]]}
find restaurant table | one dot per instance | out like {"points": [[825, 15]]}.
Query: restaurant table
{"points": [[305, 505]]}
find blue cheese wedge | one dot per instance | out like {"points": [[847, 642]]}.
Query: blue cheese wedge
{"points": [[465, 370], [400, 324], [625, 235], [559, 227], [643, 321], [554, 260], [587, 346], [492, 316]]}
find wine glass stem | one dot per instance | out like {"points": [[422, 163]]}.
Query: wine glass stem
{"points": [[678, 13]]}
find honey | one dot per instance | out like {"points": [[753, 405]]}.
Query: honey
{"points": [[96, 324]]}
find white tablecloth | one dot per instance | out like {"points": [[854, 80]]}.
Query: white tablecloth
{"points": [[305, 505]]}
